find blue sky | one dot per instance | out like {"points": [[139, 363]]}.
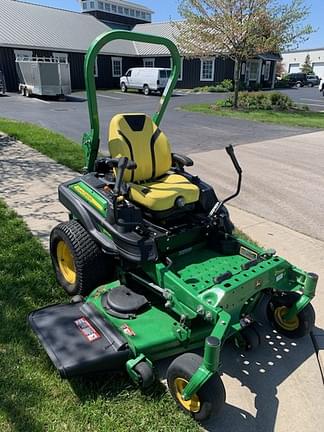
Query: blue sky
{"points": [[166, 9]]}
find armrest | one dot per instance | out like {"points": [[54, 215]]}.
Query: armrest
{"points": [[180, 161]]}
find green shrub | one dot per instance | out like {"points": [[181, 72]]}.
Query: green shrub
{"points": [[227, 84], [196, 89], [224, 103], [260, 101], [212, 89], [265, 101], [282, 84], [280, 101], [220, 89]]}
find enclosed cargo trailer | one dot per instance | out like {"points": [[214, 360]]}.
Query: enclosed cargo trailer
{"points": [[43, 76]]}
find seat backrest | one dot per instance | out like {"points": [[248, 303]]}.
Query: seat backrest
{"points": [[137, 137]]}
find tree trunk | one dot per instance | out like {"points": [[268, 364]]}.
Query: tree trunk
{"points": [[237, 76]]}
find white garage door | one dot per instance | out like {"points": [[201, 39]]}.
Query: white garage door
{"points": [[318, 69], [293, 68]]}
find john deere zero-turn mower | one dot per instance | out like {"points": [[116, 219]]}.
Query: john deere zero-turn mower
{"points": [[152, 264]]}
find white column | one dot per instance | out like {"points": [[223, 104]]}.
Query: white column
{"points": [[259, 72], [274, 75]]}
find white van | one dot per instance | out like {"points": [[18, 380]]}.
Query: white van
{"points": [[145, 79]]}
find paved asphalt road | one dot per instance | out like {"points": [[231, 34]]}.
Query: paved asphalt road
{"points": [[198, 133]]}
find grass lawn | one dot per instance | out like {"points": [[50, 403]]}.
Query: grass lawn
{"points": [[32, 396], [51, 144], [308, 119]]}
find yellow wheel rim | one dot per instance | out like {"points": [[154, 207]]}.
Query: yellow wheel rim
{"points": [[66, 262], [289, 325], [192, 404]]}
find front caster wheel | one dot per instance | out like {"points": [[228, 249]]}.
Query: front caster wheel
{"points": [[207, 401], [296, 327], [249, 338], [146, 374]]}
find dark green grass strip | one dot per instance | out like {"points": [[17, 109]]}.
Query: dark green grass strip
{"points": [[47, 142], [309, 119]]}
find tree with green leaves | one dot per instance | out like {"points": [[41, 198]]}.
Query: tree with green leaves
{"points": [[241, 29], [307, 67]]}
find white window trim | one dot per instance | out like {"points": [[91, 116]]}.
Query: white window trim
{"points": [[120, 60], [181, 68], [201, 69], [151, 59]]}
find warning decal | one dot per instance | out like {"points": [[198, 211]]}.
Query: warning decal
{"points": [[87, 330], [127, 330]]}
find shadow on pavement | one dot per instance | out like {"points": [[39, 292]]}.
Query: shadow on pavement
{"points": [[251, 379]]}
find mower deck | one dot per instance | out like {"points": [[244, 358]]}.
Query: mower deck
{"points": [[78, 340]]}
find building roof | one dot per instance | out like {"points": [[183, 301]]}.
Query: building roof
{"points": [[304, 50], [31, 26], [27, 25], [166, 29]]}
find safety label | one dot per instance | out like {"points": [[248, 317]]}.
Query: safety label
{"points": [[87, 330]]}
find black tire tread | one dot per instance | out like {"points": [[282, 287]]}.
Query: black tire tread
{"points": [[90, 264], [212, 394], [146, 373], [251, 337]]}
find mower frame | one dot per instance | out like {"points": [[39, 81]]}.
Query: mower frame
{"points": [[208, 286]]}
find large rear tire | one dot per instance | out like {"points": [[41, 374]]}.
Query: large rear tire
{"points": [[80, 265]]}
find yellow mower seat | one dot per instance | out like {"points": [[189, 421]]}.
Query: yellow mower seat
{"points": [[137, 137]]}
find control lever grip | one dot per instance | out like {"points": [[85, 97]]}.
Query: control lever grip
{"points": [[125, 163], [230, 151], [131, 165]]}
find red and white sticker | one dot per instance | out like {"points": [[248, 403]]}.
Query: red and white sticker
{"points": [[127, 330], [87, 330]]}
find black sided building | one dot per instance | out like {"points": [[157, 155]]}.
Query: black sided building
{"points": [[39, 31]]}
